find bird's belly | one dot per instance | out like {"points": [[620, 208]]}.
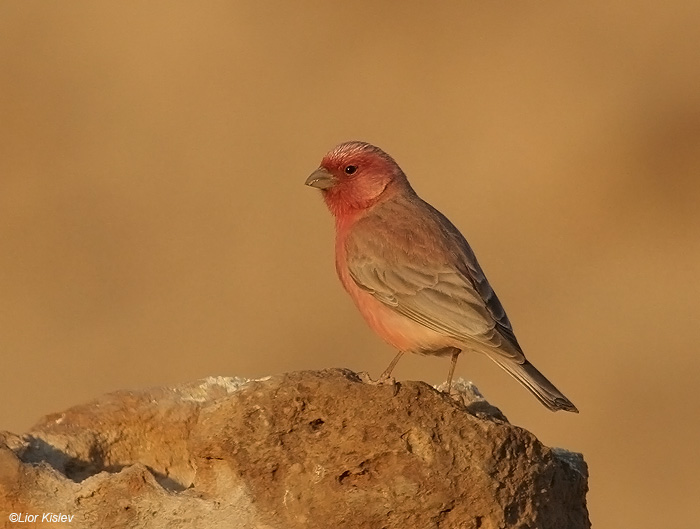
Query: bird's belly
{"points": [[400, 331], [394, 328]]}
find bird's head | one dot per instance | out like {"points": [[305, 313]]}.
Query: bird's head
{"points": [[356, 175]]}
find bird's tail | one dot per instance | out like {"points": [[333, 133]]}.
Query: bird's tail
{"points": [[537, 383]]}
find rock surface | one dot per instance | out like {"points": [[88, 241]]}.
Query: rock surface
{"points": [[305, 449]]}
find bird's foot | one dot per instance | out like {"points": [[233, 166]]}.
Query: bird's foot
{"points": [[383, 380], [450, 390]]}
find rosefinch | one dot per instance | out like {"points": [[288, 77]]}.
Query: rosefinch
{"points": [[411, 273]]}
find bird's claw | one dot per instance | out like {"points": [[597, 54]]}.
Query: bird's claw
{"points": [[383, 380], [450, 391]]}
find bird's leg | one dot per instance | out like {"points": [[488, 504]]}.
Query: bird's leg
{"points": [[387, 372], [453, 364]]}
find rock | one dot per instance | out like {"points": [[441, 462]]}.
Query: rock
{"points": [[305, 449]]}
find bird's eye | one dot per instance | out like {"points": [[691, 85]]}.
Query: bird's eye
{"points": [[350, 169]]}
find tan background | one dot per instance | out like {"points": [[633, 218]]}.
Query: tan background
{"points": [[154, 227]]}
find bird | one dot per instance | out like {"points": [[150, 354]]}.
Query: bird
{"points": [[411, 273]]}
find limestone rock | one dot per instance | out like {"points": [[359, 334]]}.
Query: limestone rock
{"points": [[305, 449]]}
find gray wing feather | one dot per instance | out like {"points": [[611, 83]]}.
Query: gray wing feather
{"points": [[453, 298]]}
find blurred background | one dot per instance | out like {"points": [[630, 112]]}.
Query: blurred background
{"points": [[154, 225]]}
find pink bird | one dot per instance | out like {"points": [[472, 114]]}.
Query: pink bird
{"points": [[411, 273]]}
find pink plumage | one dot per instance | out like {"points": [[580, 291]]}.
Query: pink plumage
{"points": [[411, 273]]}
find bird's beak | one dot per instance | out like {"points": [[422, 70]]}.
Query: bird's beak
{"points": [[321, 179]]}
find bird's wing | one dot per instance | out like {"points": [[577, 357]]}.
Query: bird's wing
{"points": [[428, 273]]}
